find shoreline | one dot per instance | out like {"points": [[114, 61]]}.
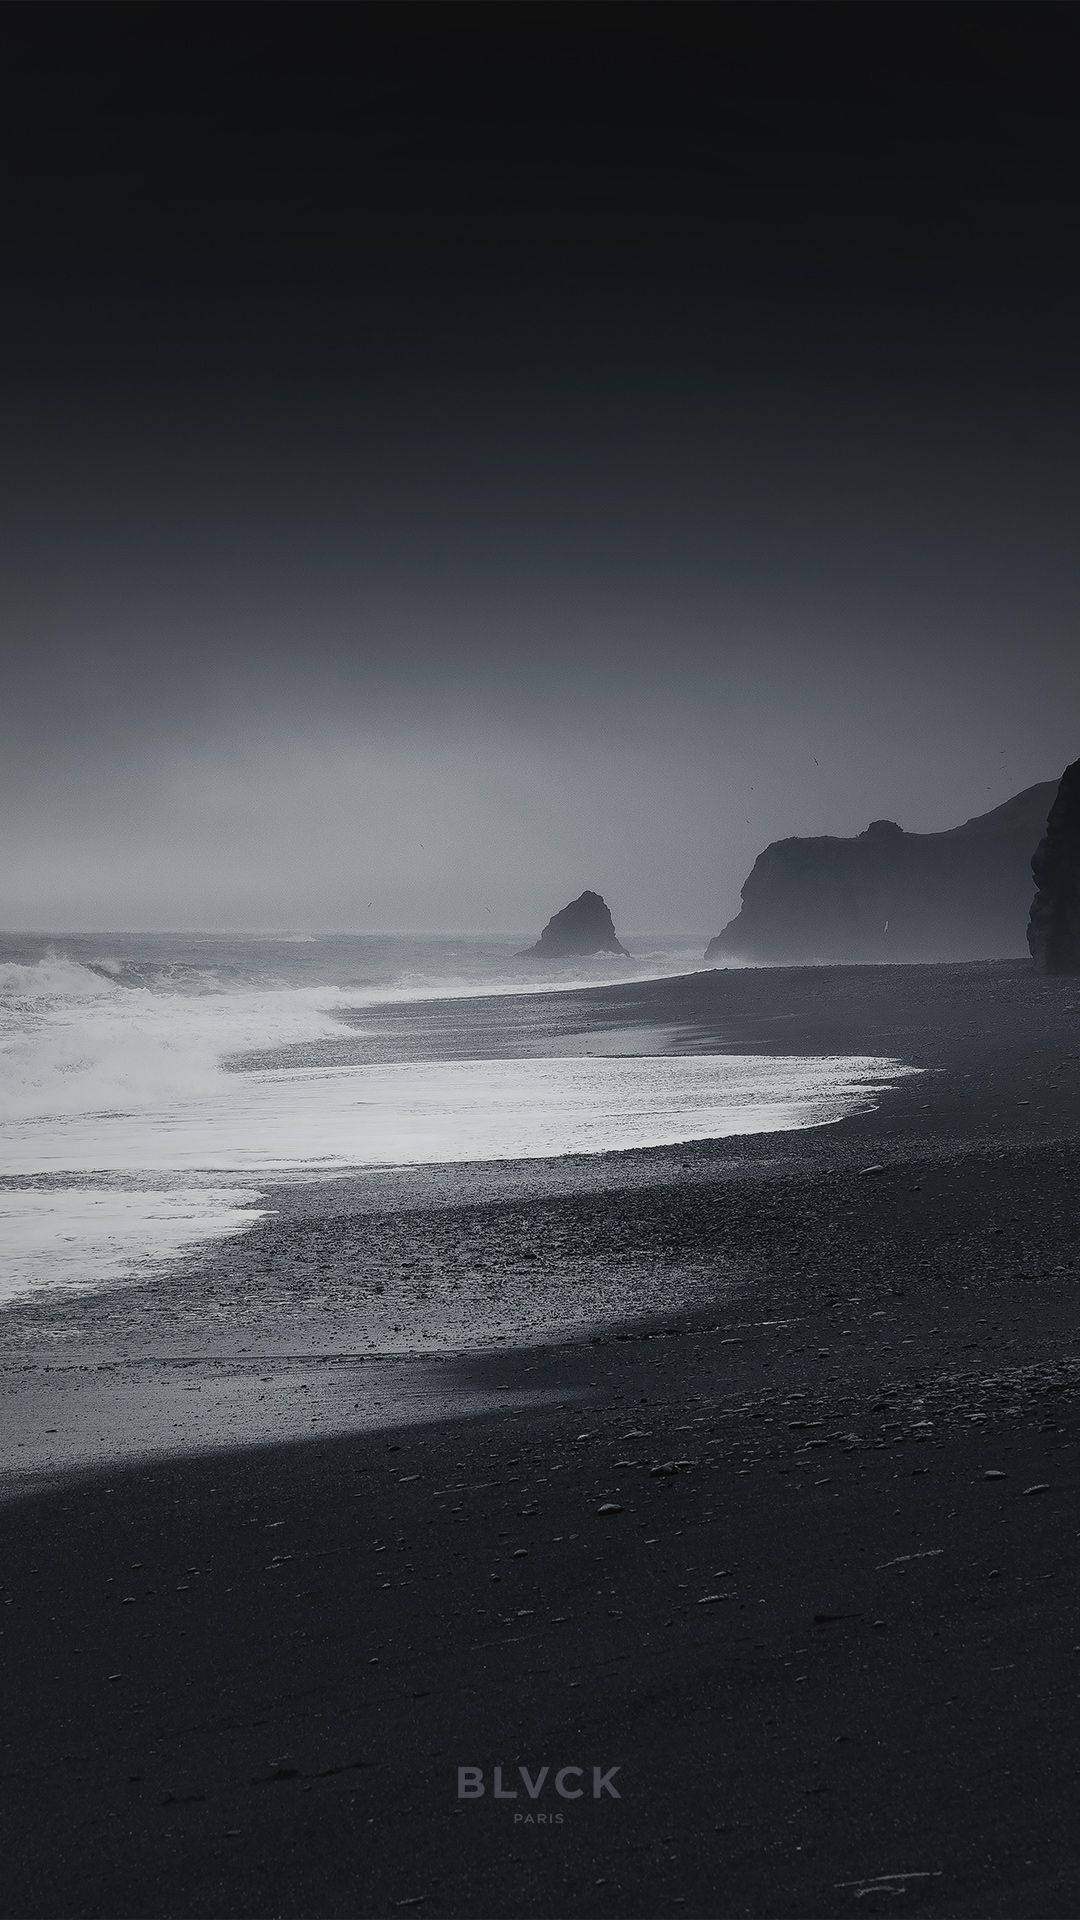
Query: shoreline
{"points": [[151, 1311], [827, 1633], [95, 1190]]}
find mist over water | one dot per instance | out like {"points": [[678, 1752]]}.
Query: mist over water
{"points": [[153, 1087]]}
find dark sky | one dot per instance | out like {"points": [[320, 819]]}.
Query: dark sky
{"points": [[458, 455]]}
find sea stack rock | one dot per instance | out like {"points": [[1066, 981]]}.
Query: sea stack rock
{"points": [[582, 928], [1054, 923]]}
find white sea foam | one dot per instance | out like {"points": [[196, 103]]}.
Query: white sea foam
{"points": [[69, 1237], [78, 1038], [124, 1138], [271, 1124]]}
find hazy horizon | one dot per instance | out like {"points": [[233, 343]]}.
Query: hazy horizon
{"points": [[329, 930], [301, 933]]}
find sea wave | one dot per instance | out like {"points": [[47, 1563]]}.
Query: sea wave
{"points": [[116, 1033], [150, 1091], [75, 1040]]}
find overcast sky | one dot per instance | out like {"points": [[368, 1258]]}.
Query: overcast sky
{"points": [[454, 457]]}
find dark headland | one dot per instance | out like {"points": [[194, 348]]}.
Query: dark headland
{"points": [[1054, 925], [886, 894], [802, 1562], [582, 929]]}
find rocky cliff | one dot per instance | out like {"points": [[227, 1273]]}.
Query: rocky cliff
{"points": [[1054, 926], [582, 928], [890, 895]]}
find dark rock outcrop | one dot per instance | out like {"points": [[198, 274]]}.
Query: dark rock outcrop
{"points": [[582, 928], [1054, 923], [891, 895]]}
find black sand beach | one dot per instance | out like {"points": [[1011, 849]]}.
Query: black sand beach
{"points": [[799, 1557]]}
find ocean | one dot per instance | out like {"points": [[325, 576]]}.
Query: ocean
{"points": [[154, 1086]]}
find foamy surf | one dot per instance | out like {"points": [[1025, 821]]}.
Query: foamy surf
{"points": [[77, 1236], [128, 1137]]}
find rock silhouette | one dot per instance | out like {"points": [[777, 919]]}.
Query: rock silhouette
{"points": [[582, 928], [1054, 923], [889, 895]]}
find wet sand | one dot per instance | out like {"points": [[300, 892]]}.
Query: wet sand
{"points": [[798, 1553]]}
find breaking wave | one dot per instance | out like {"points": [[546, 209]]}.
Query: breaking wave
{"points": [[132, 1126]]}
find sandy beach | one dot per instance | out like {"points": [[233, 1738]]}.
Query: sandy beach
{"points": [[791, 1542]]}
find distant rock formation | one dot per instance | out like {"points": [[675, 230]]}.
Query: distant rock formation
{"points": [[891, 895], [582, 928], [1054, 924]]}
